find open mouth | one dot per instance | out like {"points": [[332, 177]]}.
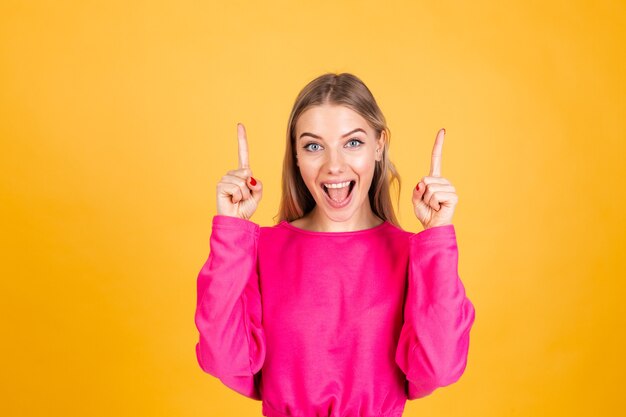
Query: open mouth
{"points": [[339, 192]]}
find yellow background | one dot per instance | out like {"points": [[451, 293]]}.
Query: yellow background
{"points": [[118, 118]]}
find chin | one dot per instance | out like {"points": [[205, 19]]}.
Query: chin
{"points": [[338, 217]]}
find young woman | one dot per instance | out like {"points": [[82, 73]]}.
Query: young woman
{"points": [[336, 310]]}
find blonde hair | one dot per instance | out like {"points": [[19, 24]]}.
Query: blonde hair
{"points": [[339, 89]]}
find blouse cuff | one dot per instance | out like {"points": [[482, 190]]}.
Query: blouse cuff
{"points": [[445, 232], [228, 222]]}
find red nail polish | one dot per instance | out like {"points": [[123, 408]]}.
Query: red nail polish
{"points": [[252, 181], [417, 187]]}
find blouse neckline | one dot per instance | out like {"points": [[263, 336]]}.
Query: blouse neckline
{"points": [[286, 224]]}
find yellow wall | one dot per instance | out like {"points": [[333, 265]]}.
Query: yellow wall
{"points": [[118, 118]]}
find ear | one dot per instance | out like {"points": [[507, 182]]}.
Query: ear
{"points": [[380, 145]]}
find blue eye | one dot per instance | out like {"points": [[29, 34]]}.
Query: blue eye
{"points": [[310, 147], [356, 143]]}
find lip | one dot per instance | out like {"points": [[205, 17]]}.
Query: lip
{"points": [[336, 182], [332, 202]]}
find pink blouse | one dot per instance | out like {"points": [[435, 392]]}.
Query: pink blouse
{"points": [[332, 324]]}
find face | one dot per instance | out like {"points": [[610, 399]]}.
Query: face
{"points": [[336, 154]]}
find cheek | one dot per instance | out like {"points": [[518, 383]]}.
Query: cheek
{"points": [[364, 166], [308, 172]]}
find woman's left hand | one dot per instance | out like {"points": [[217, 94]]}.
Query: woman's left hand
{"points": [[434, 198]]}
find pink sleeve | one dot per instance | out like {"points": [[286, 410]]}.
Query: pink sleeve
{"points": [[228, 307], [434, 340]]}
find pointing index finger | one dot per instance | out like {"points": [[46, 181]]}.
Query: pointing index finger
{"points": [[243, 146], [435, 163]]}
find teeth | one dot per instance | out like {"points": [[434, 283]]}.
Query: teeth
{"points": [[338, 185]]}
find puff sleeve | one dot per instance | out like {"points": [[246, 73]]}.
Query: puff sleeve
{"points": [[228, 313], [434, 339]]}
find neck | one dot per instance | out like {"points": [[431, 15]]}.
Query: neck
{"points": [[364, 219]]}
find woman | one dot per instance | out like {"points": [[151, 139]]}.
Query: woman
{"points": [[335, 310]]}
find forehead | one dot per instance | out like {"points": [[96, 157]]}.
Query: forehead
{"points": [[330, 120]]}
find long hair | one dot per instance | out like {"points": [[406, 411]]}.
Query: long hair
{"points": [[338, 89]]}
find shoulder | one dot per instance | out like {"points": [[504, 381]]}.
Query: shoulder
{"points": [[272, 231], [394, 237], [396, 232]]}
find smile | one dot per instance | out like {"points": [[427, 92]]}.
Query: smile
{"points": [[339, 193]]}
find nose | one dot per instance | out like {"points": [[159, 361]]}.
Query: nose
{"points": [[335, 162]]}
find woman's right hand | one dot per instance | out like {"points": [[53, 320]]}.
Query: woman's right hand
{"points": [[238, 194]]}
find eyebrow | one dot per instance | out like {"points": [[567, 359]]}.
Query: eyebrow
{"points": [[343, 136]]}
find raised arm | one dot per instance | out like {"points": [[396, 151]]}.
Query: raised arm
{"points": [[434, 341], [228, 309]]}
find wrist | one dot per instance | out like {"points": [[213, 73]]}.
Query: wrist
{"points": [[437, 225]]}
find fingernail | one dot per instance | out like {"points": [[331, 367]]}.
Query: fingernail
{"points": [[444, 130], [417, 187], [252, 181]]}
